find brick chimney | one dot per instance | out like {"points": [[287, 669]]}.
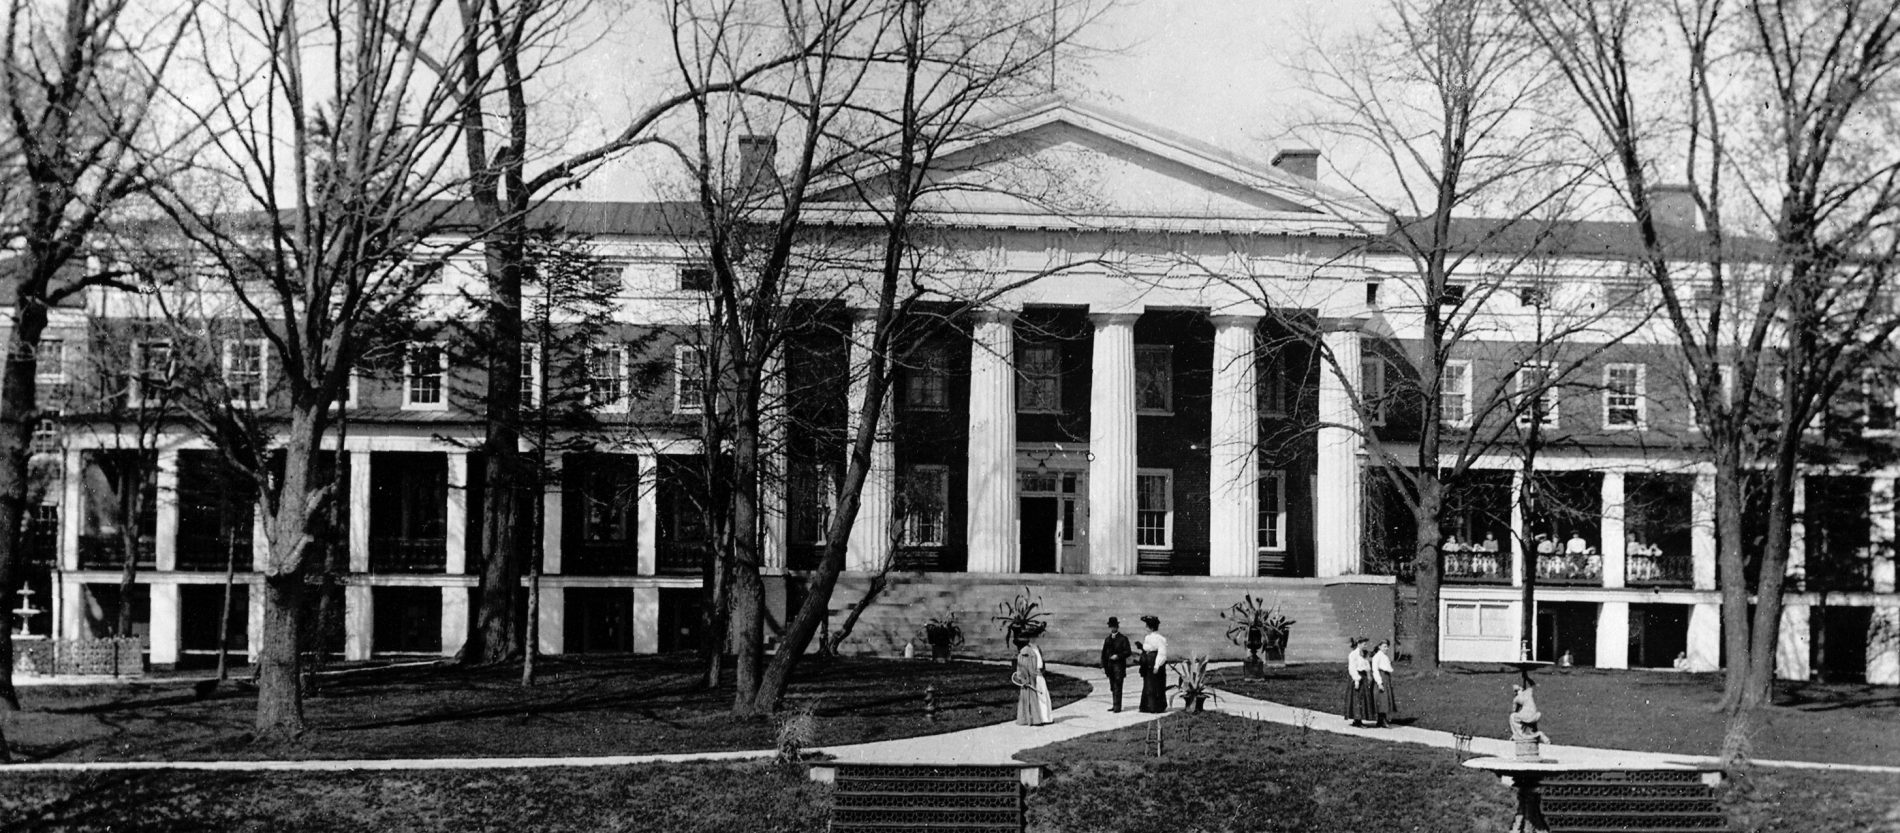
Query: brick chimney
{"points": [[1300, 162], [758, 162], [1674, 205]]}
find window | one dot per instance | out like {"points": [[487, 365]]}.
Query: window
{"points": [[609, 501], [607, 376], [1039, 379], [689, 379], [1454, 393], [1154, 379], [1877, 400], [927, 381], [1479, 621], [423, 370], [530, 375], [245, 365], [695, 279], [1623, 405], [52, 361], [1372, 388], [1537, 380], [1272, 531], [423, 274], [1372, 293], [808, 509], [1453, 295], [154, 367], [926, 499], [607, 279], [1533, 296], [1272, 381], [1154, 510]]}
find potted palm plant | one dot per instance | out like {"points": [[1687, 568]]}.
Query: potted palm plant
{"points": [[1021, 617], [1193, 684], [1260, 628], [943, 634]]}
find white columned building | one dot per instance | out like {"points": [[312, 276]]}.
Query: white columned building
{"points": [[1234, 458], [1112, 455], [871, 541], [992, 449]]}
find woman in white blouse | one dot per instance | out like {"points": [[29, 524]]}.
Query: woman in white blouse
{"points": [[1154, 668], [1359, 671], [1385, 701]]}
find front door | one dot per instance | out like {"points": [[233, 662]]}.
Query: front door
{"points": [[1039, 532]]}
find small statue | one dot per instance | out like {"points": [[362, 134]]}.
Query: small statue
{"points": [[1524, 717]]}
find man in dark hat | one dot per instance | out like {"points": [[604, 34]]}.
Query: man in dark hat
{"points": [[1115, 660]]}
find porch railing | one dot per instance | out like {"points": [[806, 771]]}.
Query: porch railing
{"points": [[1477, 567], [600, 558], [1570, 567], [673, 559], [1658, 570], [408, 555], [106, 552]]}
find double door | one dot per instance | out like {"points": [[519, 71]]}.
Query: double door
{"points": [[1052, 521]]}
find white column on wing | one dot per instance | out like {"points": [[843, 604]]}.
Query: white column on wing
{"points": [[991, 507], [1113, 462], [1234, 461]]}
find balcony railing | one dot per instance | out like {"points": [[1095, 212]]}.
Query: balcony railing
{"points": [[408, 555], [1477, 567], [600, 558], [1658, 570], [107, 552], [209, 552], [1570, 567], [673, 559]]}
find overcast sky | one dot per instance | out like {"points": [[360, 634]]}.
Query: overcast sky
{"points": [[1213, 69]]}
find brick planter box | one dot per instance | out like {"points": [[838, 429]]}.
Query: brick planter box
{"points": [[91, 657]]}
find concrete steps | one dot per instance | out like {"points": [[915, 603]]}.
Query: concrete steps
{"points": [[891, 798], [1325, 612], [1658, 801]]}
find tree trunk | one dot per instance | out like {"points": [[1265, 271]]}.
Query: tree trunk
{"points": [[293, 531], [746, 624], [497, 634], [17, 413], [1427, 560], [279, 687], [1730, 504]]}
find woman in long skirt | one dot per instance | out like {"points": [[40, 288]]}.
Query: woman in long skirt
{"points": [[1154, 668], [1032, 690], [1385, 698], [1359, 701]]}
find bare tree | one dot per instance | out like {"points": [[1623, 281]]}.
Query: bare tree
{"points": [[336, 143], [1775, 115], [1446, 104], [854, 131], [79, 144]]}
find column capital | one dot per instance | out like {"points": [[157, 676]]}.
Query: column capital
{"points": [[1242, 320], [1344, 324], [1111, 319]]}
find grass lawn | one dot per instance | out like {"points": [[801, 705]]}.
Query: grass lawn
{"points": [[1225, 773], [1646, 710], [583, 706], [678, 798]]}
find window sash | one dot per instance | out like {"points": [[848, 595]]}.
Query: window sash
{"points": [[689, 379], [1271, 532], [1154, 379], [531, 375], [1154, 510], [1039, 379], [1372, 388], [1454, 393], [1623, 396], [155, 364], [1529, 378], [423, 375], [51, 358], [927, 500], [927, 383], [244, 366]]}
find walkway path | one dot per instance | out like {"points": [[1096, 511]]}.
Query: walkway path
{"points": [[996, 744]]}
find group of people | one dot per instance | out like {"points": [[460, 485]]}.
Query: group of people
{"points": [[1149, 656], [1371, 696]]}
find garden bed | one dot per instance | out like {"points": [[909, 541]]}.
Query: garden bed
{"points": [[582, 706]]}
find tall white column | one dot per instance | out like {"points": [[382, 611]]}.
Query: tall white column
{"points": [[1702, 531], [551, 529], [991, 507], [1705, 637], [1792, 644], [359, 512], [870, 545], [552, 621], [359, 621], [1883, 627], [1523, 553], [72, 512], [647, 548], [260, 540], [1233, 456], [73, 607], [454, 619], [646, 620], [1615, 543], [1613, 635], [165, 534], [162, 629], [1337, 482], [772, 502], [254, 619], [1112, 461], [455, 516], [1798, 535]]}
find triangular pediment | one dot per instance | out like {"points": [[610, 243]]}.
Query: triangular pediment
{"points": [[1061, 162]]}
